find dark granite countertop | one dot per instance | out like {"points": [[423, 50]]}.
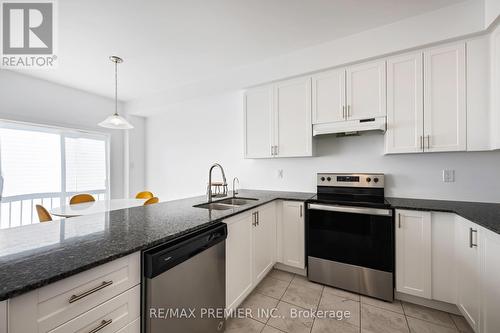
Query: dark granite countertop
{"points": [[35, 255], [484, 214]]}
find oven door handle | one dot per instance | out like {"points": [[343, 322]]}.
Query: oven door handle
{"points": [[351, 209]]}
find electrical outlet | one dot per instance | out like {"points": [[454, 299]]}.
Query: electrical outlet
{"points": [[448, 175], [280, 173]]}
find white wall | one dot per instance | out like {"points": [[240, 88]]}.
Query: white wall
{"points": [[447, 23], [186, 139], [24, 98], [491, 11]]}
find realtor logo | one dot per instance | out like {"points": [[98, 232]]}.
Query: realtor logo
{"points": [[28, 34]]}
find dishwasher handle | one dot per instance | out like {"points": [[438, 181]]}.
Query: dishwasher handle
{"points": [[162, 258]]}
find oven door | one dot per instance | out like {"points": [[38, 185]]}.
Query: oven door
{"points": [[358, 236], [351, 248]]}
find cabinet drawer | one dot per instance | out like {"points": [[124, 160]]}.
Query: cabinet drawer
{"points": [[113, 315], [133, 327], [48, 307]]}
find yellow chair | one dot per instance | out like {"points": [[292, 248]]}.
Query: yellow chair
{"points": [[43, 214], [144, 195], [151, 201], [81, 198]]}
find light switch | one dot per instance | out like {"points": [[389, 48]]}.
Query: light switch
{"points": [[448, 175]]}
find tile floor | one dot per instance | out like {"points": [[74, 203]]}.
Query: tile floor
{"points": [[289, 293]]}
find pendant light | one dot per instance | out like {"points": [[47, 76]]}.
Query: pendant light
{"points": [[115, 121]]}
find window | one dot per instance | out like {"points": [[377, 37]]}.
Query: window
{"points": [[47, 165]]}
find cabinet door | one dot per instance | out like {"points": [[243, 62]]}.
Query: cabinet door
{"points": [[366, 91], [490, 288], [258, 106], [293, 133], [405, 108], [293, 234], [238, 259], [467, 256], [413, 253], [444, 274], [3, 317], [328, 96], [264, 241], [444, 99]]}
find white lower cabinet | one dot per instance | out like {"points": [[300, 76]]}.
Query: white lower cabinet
{"points": [[444, 277], [467, 256], [238, 258], [413, 253], [3, 317], [250, 251], [110, 316], [264, 241], [291, 234], [74, 300], [445, 257], [490, 281]]}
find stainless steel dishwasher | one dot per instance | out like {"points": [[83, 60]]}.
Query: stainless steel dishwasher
{"points": [[184, 284]]}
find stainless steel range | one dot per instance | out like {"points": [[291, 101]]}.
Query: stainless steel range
{"points": [[350, 235]]}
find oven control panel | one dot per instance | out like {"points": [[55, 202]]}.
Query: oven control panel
{"points": [[351, 179]]}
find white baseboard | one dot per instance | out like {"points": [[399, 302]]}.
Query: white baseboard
{"points": [[430, 303], [291, 269]]}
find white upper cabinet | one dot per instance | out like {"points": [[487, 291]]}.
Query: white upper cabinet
{"points": [[278, 120], [366, 91], [257, 107], [293, 130], [413, 253], [426, 108], [445, 127], [328, 102], [478, 94], [405, 109]]}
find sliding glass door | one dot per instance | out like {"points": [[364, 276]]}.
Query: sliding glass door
{"points": [[47, 165]]}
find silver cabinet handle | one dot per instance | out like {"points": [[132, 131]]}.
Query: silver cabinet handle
{"points": [[343, 111], [351, 209], [348, 111], [103, 324], [399, 220], [471, 238], [103, 285], [272, 150], [276, 150], [300, 210], [253, 219], [422, 142], [428, 142]]}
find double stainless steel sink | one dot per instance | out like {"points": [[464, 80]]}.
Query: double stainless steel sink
{"points": [[226, 203]]}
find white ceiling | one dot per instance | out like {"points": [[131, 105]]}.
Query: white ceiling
{"points": [[171, 43]]}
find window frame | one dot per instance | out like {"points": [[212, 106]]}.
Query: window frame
{"points": [[63, 132]]}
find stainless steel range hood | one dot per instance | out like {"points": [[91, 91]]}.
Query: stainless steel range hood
{"points": [[350, 126]]}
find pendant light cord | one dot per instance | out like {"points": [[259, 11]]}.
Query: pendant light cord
{"points": [[116, 88]]}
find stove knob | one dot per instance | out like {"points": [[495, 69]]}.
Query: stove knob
{"points": [[375, 180], [322, 179], [328, 178], [368, 179]]}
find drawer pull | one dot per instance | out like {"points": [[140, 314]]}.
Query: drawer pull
{"points": [[103, 324], [104, 284]]}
